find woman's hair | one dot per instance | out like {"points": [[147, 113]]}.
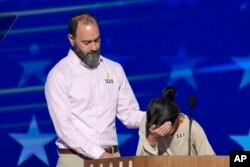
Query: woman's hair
{"points": [[161, 110]]}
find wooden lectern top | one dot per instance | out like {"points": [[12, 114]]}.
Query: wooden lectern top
{"points": [[161, 161]]}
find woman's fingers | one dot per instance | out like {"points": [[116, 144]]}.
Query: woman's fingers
{"points": [[161, 131], [152, 128], [166, 128]]}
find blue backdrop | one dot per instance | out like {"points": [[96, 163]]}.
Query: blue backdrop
{"points": [[201, 47]]}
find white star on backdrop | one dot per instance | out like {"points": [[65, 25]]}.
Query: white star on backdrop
{"points": [[33, 143], [245, 64], [34, 68], [182, 67], [242, 140]]}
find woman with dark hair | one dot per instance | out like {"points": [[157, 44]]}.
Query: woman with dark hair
{"points": [[164, 130]]}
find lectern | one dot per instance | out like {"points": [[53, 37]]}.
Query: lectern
{"points": [[161, 161]]}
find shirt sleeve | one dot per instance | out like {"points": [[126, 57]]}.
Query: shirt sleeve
{"points": [[128, 108], [59, 109], [200, 141], [143, 147]]}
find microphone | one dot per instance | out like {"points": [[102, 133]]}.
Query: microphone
{"points": [[192, 102]]}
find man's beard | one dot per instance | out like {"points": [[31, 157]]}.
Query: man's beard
{"points": [[92, 59]]}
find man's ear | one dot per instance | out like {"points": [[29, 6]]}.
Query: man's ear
{"points": [[71, 39]]}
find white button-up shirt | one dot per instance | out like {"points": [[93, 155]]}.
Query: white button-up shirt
{"points": [[84, 102]]}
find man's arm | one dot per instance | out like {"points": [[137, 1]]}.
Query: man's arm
{"points": [[128, 108]]}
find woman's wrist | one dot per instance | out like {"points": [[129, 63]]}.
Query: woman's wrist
{"points": [[152, 140]]}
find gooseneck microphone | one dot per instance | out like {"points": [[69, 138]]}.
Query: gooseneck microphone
{"points": [[192, 102]]}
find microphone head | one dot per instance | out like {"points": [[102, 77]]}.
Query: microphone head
{"points": [[192, 101]]}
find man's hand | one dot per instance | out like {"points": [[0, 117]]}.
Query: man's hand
{"points": [[106, 155], [155, 133]]}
